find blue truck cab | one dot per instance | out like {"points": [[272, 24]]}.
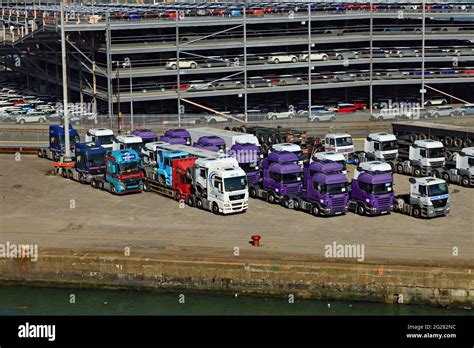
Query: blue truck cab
{"points": [[57, 142], [90, 158], [164, 165], [123, 173]]}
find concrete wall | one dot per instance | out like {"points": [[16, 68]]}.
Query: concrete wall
{"points": [[319, 280]]}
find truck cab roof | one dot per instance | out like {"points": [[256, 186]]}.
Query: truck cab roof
{"points": [[285, 147], [338, 135], [429, 180], [284, 168], [129, 139], [282, 157], [145, 133], [468, 151], [180, 132], [329, 178], [381, 136], [90, 147], [217, 163], [428, 143], [329, 155], [124, 156], [375, 166], [100, 131], [326, 167]]}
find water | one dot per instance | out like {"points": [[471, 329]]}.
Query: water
{"points": [[52, 301]]}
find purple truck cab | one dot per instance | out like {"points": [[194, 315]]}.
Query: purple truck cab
{"points": [[208, 147], [173, 140], [147, 135], [325, 190], [249, 157], [178, 133], [211, 140], [372, 193]]}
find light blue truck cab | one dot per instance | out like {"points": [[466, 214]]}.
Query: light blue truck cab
{"points": [[164, 164]]}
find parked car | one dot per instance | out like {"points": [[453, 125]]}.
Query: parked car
{"points": [[445, 110], [37, 117], [343, 54], [216, 61], [200, 85], [376, 53], [467, 109], [258, 81], [344, 108], [404, 52], [286, 80], [183, 64], [227, 83], [282, 58], [251, 59], [388, 114], [436, 101], [360, 104], [321, 116], [314, 56], [280, 115]]}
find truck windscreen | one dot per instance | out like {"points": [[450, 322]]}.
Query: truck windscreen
{"points": [[96, 160], [470, 161], [388, 145], [290, 178], [136, 146], [106, 139], [437, 189], [235, 184], [435, 152], [345, 141], [333, 189], [380, 189], [128, 167]]}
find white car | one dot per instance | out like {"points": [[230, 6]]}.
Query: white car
{"points": [[387, 114], [314, 56], [282, 58], [280, 115], [436, 101], [322, 116], [183, 64], [31, 118], [200, 85]]}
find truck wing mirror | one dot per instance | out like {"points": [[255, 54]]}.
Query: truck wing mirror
{"points": [[462, 154], [412, 180], [415, 146]]}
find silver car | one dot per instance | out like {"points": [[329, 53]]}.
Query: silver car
{"points": [[445, 110], [322, 116]]}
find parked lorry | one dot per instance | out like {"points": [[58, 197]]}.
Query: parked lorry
{"points": [[88, 163], [372, 189], [379, 147], [147, 135], [428, 197], [133, 142], [325, 191], [102, 136], [219, 185], [424, 157], [454, 138], [56, 147], [244, 147], [341, 143], [463, 172], [122, 174], [281, 178]]}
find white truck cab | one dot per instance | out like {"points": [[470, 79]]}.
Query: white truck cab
{"points": [[381, 146], [372, 167], [122, 142], [330, 156], [428, 153], [220, 185], [431, 194], [463, 173], [104, 136], [340, 143]]}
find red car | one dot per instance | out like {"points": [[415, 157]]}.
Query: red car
{"points": [[19, 102], [360, 105], [345, 108]]}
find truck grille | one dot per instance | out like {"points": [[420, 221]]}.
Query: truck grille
{"points": [[338, 202], [437, 164], [237, 197], [390, 156], [383, 201], [438, 203], [293, 189], [132, 184]]}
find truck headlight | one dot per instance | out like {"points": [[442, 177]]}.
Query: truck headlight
{"points": [[367, 200], [321, 201], [227, 205], [277, 190], [256, 167]]}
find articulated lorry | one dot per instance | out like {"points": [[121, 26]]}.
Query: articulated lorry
{"points": [[372, 189], [57, 147], [463, 172], [122, 142], [454, 138], [325, 191], [219, 185], [103, 136], [244, 147], [122, 174], [281, 177], [428, 197], [88, 163]]}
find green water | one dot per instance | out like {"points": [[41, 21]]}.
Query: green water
{"points": [[52, 301]]}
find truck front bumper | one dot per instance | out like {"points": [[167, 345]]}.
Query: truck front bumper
{"points": [[379, 210], [326, 211], [433, 212], [235, 207]]}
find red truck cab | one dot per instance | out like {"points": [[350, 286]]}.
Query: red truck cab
{"points": [[181, 184]]}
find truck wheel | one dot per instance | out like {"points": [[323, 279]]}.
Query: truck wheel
{"points": [[287, 202], [399, 169], [271, 198], [40, 153], [199, 204], [177, 196], [82, 179], [356, 159], [252, 192], [417, 172], [315, 210], [416, 212], [445, 177], [465, 181], [161, 180], [361, 209], [113, 190], [94, 183], [215, 208], [190, 201], [146, 186], [69, 174], [56, 157], [101, 185], [396, 206], [64, 173], [296, 204]]}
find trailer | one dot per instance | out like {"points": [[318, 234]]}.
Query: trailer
{"points": [[453, 137]]}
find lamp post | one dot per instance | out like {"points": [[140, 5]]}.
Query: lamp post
{"points": [[128, 63], [119, 113]]}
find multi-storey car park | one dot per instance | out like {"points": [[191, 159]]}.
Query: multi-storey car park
{"points": [[272, 56]]}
